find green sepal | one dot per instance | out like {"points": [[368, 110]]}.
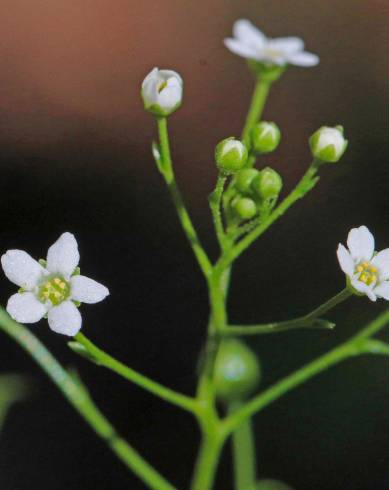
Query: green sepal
{"points": [[43, 262], [266, 71], [374, 346], [21, 290], [76, 303], [82, 351], [77, 271]]}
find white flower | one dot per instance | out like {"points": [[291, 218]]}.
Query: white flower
{"points": [[251, 43], [51, 289], [162, 91], [368, 272]]}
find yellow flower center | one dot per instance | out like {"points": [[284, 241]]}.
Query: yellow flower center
{"points": [[273, 52], [367, 273], [54, 290]]}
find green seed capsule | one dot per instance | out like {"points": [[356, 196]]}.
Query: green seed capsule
{"points": [[237, 371]]}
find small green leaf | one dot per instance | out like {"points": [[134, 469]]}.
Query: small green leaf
{"points": [[43, 262], [374, 346], [77, 271], [82, 351], [321, 323]]}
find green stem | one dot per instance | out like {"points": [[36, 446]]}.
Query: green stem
{"points": [[79, 398], [215, 203], [257, 104], [243, 450], [178, 201], [310, 320], [356, 345], [171, 396], [307, 182], [207, 461]]}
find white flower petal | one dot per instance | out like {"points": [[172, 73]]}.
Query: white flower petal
{"points": [[65, 319], [287, 44], [242, 49], [382, 290], [345, 260], [87, 290], [303, 59], [63, 256], [364, 289], [246, 32], [170, 75], [153, 75], [26, 308], [360, 243], [381, 261], [170, 96], [22, 269]]}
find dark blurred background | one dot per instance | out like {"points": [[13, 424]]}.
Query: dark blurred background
{"points": [[75, 155]]}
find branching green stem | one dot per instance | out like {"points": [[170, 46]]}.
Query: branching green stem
{"points": [[186, 222], [356, 345], [78, 396], [185, 402], [310, 321]]}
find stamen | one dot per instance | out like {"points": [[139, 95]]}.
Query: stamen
{"points": [[54, 290]]}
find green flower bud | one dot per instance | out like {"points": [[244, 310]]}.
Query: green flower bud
{"points": [[328, 144], [268, 184], [230, 155], [244, 178], [244, 207], [265, 137], [237, 371]]}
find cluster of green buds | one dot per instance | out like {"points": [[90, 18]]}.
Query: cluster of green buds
{"points": [[255, 190]]}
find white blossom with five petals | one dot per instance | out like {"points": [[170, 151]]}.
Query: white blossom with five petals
{"points": [[50, 289], [249, 42], [368, 272]]}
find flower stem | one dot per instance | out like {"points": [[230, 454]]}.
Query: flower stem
{"points": [[243, 449], [257, 104], [207, 461], [78, 396], [310, 320], [186, 222], [215, 203], [171, 396], [356, 345]]}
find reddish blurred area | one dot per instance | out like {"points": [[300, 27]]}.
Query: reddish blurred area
{"points": [[68, 66]]}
